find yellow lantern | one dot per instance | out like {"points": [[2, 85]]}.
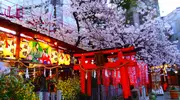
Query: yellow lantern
{"points": [[67, 59], [61, 58], [9, 48], [54, 56], [24, 49]]}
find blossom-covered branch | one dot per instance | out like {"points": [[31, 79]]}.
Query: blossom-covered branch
{"points": [[105, 26]]}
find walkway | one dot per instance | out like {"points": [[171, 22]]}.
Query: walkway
{"points": [[166, 96]]}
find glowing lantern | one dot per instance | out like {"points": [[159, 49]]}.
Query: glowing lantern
{"points": [[24, 49], [61, 59], [9, 48], [67, 59], [54, 56]]}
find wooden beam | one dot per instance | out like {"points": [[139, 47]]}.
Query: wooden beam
{"points": [[126, 51]]}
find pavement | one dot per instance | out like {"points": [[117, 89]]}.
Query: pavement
{"points": [[166, 96]]}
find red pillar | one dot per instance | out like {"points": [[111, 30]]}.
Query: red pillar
{"points": [[82, 74], [89, 84], [82, 81], [125, 82]]}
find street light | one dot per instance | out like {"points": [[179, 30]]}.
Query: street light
{"points": [[176, 71]]}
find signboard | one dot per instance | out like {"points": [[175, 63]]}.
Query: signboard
{"points": [[7, 45], [35, 51], [40, 52]]}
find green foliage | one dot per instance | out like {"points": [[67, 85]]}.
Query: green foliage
{"points": [[173, 88], [13, 87], [70, 88], [127, 4], [152, 96]]}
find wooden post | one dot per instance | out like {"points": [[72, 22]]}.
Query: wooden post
{"points": [[17, 43], [57, 74], [17, 46]]}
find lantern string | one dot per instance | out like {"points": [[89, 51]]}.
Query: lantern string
{"points": [[102, 67], [34, 65]]}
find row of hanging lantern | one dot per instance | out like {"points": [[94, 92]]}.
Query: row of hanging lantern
{"points": [[107, 74], [34, 73], [136, 77], [165, 68]]}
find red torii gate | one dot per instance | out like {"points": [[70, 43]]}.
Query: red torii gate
{"points": [[86, 65]]}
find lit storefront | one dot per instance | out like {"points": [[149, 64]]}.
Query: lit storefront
{"points": [[31, 49]]}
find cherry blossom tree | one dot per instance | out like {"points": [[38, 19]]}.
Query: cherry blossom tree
{"points": [[44, 16], [101, 25]]}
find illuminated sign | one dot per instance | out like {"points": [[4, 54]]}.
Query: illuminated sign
{"points": [[7, 45], [40, 52]]}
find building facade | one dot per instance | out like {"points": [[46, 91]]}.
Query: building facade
{"points": [[174, 20]]}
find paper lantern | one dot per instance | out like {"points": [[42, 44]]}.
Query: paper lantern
{"points": [[9, 48], [61, 58], [24, 49], [54, 57], [67, 59]]}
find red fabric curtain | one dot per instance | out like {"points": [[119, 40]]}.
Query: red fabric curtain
{"points": [[98, 77], [106, 79], [118, 76], [114, 75], [132, 75]]}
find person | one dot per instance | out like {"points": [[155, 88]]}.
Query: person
{"points": [[134, 93]]}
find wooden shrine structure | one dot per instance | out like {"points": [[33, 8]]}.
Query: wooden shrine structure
{"points": [[32, 49], [109, 65]]}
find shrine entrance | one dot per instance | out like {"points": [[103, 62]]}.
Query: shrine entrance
{"points": [[109, 68]]}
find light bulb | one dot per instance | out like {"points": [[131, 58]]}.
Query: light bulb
{"points": [[176, 71]]}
